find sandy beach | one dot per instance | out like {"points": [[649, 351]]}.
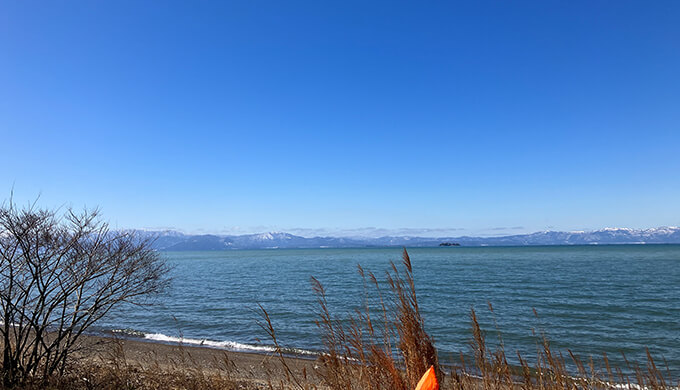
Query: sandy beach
{"points": [[248, 370]]}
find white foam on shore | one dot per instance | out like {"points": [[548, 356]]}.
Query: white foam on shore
{"points": [[228, 345]]}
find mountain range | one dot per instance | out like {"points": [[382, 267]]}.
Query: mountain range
{"points": [[169, 240]]}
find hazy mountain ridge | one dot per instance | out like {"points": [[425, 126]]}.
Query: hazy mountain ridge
{"points": [[175, 241]]}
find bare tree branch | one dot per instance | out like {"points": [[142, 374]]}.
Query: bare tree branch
{"points": [[58, 276]]}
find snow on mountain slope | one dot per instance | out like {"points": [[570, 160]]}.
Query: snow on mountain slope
{"points": [[168, 240]]}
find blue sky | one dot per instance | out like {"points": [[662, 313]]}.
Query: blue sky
{"points": [[350, 117]]}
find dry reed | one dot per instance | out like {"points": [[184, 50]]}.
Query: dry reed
{"points": [[390, 349]]}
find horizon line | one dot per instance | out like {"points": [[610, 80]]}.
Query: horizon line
{"points": [[396, 232]]}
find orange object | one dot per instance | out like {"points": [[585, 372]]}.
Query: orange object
{"points": [[428, 381]]}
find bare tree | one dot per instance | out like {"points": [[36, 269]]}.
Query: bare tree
{"points": [[59, 274]]}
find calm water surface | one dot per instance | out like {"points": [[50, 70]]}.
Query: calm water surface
{"points": [[590, 299]]}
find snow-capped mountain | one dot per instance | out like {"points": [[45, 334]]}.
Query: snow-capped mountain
{"points": [[175, 241]]}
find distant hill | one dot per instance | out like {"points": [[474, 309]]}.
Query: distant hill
{"points": [[174, 241]]}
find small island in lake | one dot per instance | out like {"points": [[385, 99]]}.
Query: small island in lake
{"points": [[449, 244]]}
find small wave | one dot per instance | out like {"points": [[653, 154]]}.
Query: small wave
{"points": [[127, 332], [228, 345]]}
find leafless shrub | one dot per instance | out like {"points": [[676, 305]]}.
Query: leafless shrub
{"points": [[58, 276]]}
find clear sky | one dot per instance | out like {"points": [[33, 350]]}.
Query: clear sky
{"points": [[471, 117]]}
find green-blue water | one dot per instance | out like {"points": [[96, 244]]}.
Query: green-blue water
{"points": [[590, 299]]}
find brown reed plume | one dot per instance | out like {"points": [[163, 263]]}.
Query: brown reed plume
{"points": [[392, 353], [390, 349]]}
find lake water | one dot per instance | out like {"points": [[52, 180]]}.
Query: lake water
{"points": [[590, 299]]}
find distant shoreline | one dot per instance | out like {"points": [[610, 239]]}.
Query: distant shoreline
{"points": [[431, 247], [176, 241]]}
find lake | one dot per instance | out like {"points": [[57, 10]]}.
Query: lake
{"points": [[590, 299]]}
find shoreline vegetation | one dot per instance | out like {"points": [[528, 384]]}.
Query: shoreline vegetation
{"points": [[111, 362]]}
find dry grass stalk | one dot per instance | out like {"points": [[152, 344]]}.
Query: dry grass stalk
{"points": [[361, 353]]}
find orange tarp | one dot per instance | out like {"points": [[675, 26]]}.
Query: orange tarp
{"points": [[428, 381]]}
